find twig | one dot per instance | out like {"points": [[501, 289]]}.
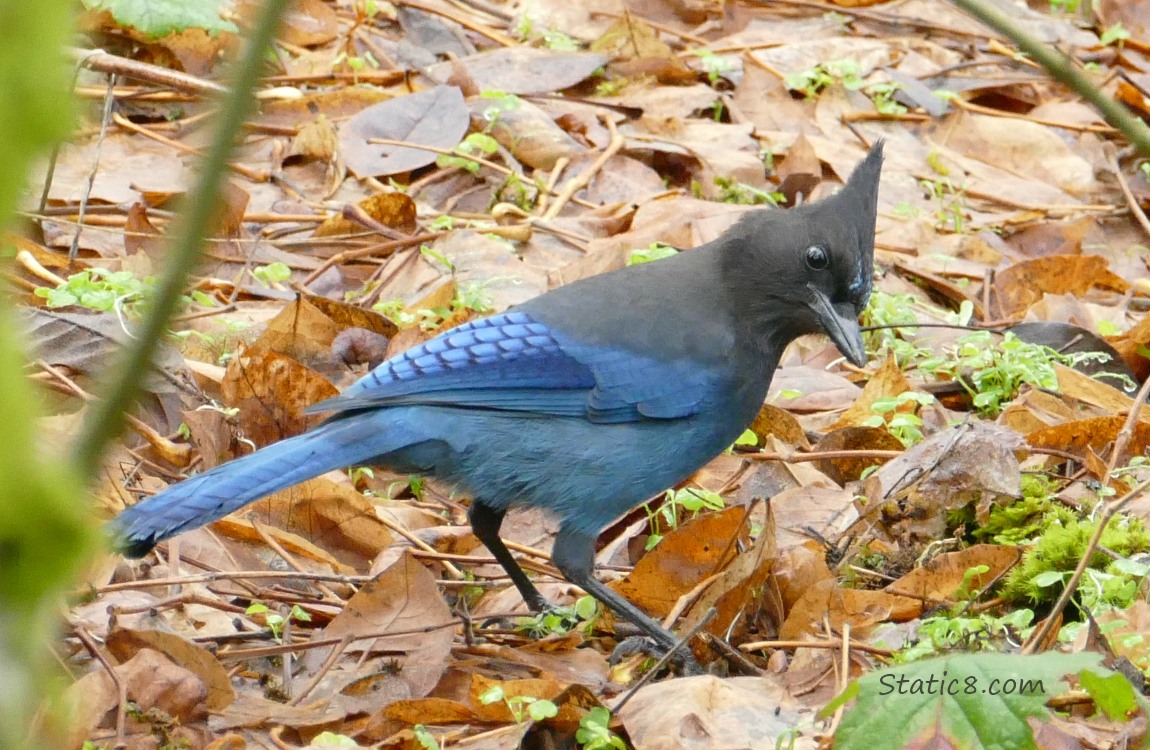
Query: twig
{"points": [[328, 663], [760, 645], [126, 124], [462, 20], [121, 689], [567, 193], [1062, 68], [383, 248], [470, 157], [1131, 201], [105, 62], [109, 102]]}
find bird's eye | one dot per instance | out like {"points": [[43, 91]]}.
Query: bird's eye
{"points": [[817, 257]]}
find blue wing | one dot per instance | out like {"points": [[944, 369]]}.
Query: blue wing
{"points": [[512, 362]]}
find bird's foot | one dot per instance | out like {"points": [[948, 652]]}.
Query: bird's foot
{"points": [[533, 621], [682, 661]]}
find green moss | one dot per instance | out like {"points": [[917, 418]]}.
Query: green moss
{"points": [[1055, 554]]}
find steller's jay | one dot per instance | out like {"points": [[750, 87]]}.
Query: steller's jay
{"points": [[585, 401]]}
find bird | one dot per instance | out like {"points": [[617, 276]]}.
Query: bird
{"points": [[585, 401]]}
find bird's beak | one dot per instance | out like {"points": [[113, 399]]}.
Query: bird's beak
{"points": [[841, 324]]}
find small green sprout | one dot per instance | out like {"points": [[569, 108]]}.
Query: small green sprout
{"points": [[276, 621], [594, 732], [522, 707]]}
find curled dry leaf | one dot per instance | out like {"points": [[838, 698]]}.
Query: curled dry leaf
{"points": [[124, 643], [698, 548], [393, 210], [840, 606]]}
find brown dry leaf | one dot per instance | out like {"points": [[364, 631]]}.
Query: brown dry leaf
{"points": [[826, 601], [1094, 434], [1125, 630], [84, 705], [129, 164], [309, 23], [192, 50], [1052, 237], [310, 556], [1134, 96], [86, 341], [140, 235], [393, 210], [524, 70], [798, 568], [1134, 15], [1022, 147], [780, 423], [817, 389], [708, 713], [250, 711], [743, 584], [300, 331], [124, 643], [801, 512], [271, 392], [152, 681], [430, 711], [970, 462], [1073, 384], [437, 117], [404, 614], [351, 316], [1130, 344], [800, 172], [337, 518], [688, 554], [633, 40], [886, 382], [1024, 283], [526, 131], [1067, 338], [334, 105], [843, 470], [802, 54], [722, 150], [317, 140], [936, 582]]}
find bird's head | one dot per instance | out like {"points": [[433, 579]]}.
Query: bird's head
{"points": [[809, 269]]}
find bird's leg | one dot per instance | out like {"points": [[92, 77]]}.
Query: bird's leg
{"points": [[574, 555], [485, 522]]}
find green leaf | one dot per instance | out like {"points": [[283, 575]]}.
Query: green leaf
{"points": [[969, 700], [493, 694], [331, 739], [1049, 578], [1112, 694], [542, 709], [158, 18], [748, 438]]}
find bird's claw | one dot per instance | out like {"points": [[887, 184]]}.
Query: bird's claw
{"points": [[682, 661]]}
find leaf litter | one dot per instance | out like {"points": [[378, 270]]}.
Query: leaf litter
{"points": [[413, 167]]}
